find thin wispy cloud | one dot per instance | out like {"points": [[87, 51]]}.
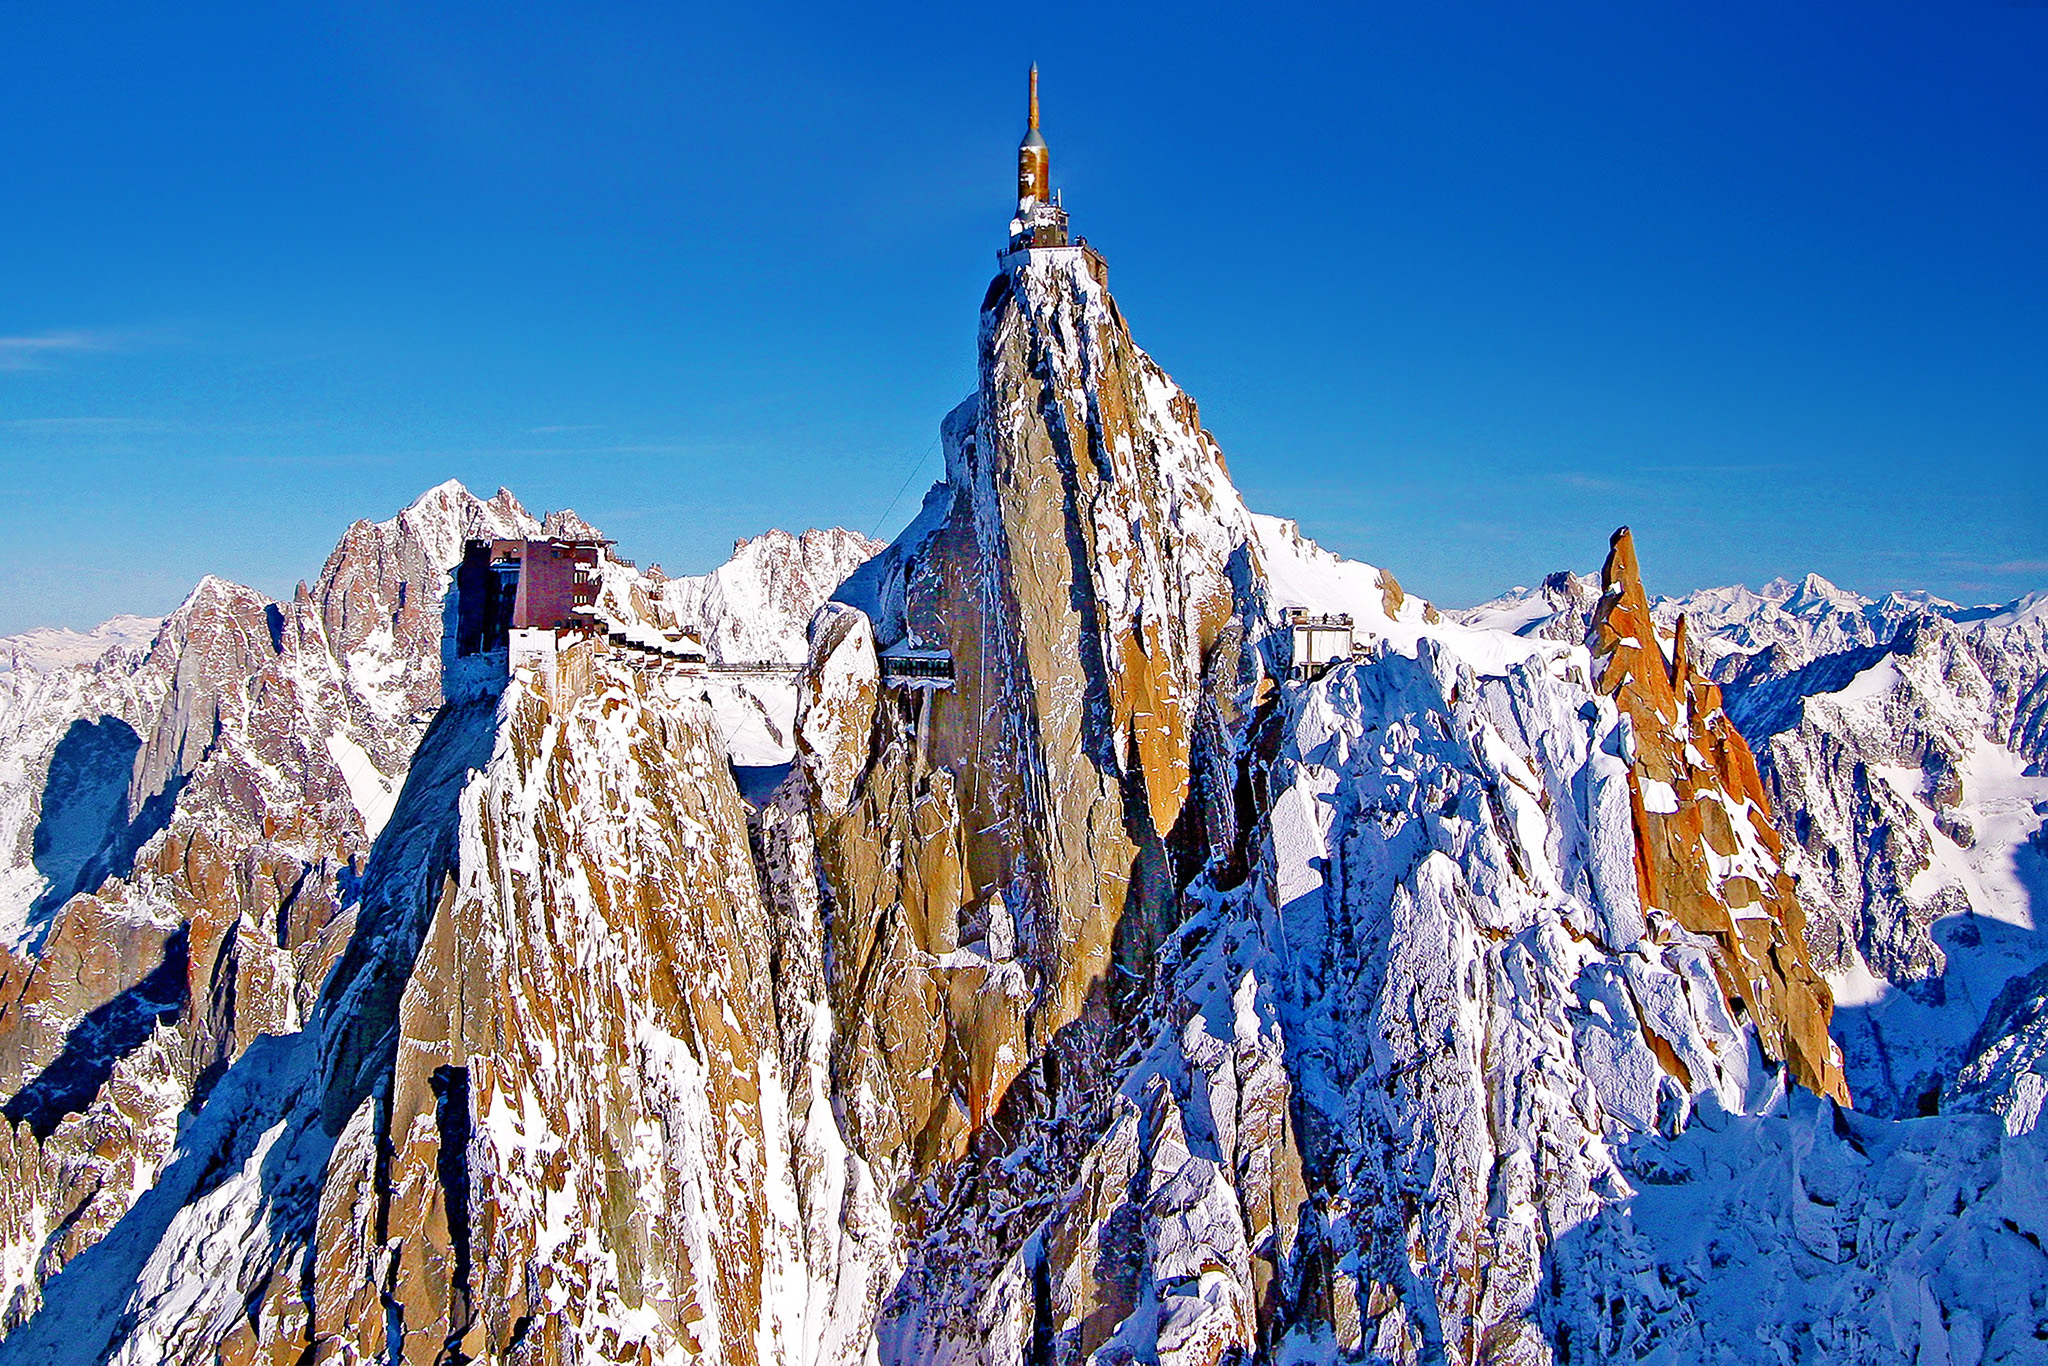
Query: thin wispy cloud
{"points": [[32, 353], [1770, 467], [497, 451], [1590, 483], [314, 462], [87, 424], [44, 349]]}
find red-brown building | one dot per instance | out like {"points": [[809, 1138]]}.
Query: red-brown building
{"points": [[514, 585]]}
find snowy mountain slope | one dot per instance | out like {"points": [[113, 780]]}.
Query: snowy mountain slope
{"points": [[1560, 608], [2003, 1069], [570, 1146], [757, 607], [1814, 1234], [1787, 625], [1920, 830], [1124, 1001], [48, 648], [758, 604], [184, 826], [231, 778], [1109, 1207], [1344, 1056], [1745, 636], [1901, 741]]}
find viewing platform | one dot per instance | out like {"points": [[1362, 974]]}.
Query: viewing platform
{"points": [[680, 652], [1014, 258], [903, 668], [1319, 642]]}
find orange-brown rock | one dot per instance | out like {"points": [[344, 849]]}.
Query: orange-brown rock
{"points": [[1008, 855], [1707, 853], [203, 909]]}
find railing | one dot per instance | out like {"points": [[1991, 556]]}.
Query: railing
{"points": [[674, 652], [938, 668], [755, 666], [917, 666]]}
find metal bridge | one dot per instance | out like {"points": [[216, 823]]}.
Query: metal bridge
{"points": [[924, 669]]}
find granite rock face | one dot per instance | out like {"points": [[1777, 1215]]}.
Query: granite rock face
{"points": [[1900, 743], [1707, 852], [1132, 996], [193, 815], [1077, 566]]}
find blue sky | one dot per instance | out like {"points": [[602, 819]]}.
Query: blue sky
{"points": [[1459, 286]]}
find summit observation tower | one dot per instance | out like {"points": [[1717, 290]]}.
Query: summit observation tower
{"points": [[1040, 223]]}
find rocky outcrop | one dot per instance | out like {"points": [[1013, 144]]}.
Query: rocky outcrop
{"points": [[1707, 853], [1898, 740], [543, 1109], [1749, 637], [1916, 831], [1012, 857], [2003, 1070], [1122, 998], [197, 817]]}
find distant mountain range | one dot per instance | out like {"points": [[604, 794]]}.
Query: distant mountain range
{"points": [[1580, 976]]}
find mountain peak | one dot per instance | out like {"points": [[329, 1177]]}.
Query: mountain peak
{"points": [[55, 647], [447, 491], [1816, 594], [1740, 899]]}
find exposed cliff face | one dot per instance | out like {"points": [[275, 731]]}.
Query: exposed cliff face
{"points": [[1410, 941], [1103, 530], [1081, 566], [1899, 741], [193, 818], [1707, 853], [1123, 1001]]}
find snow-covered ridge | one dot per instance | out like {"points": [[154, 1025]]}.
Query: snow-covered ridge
{"points": [[758, 604], [1129, 1001], [56, 647], [1300, 573], [1769, 631], [1902, 740], [1911, 777]]}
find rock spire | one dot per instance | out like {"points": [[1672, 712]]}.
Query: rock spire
{"points": [[1707, 853]]}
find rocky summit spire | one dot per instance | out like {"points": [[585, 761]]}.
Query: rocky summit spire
{"points": [[1709, 858]]}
